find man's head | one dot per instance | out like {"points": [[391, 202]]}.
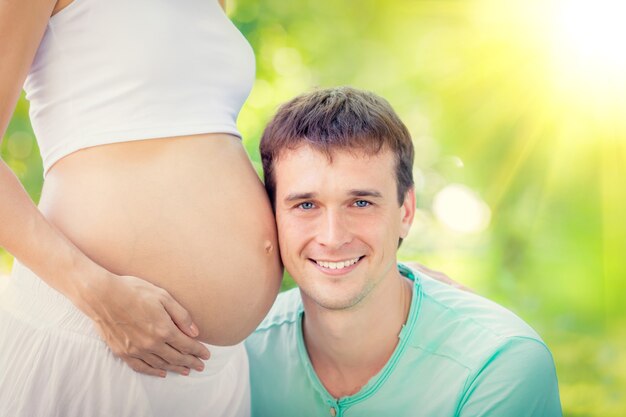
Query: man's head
{"points": [[338, 163], [334, 119]]}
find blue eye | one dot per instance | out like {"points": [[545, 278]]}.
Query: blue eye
{"points": [[362, 203], [307, 205]]}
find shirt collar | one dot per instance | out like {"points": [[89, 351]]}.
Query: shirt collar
{"points": [[379, 379]]}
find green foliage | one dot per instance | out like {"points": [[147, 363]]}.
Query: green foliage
{"points": [[476, 84]]}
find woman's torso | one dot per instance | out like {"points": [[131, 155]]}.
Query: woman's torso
{"points": [[186, 211], [188, 214]]}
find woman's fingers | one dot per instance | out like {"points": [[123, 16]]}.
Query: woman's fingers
{"points": [[180, 317], [159, 363], [170, 355], [184, 351], [179, 341], [132, 318], [140, 366]]}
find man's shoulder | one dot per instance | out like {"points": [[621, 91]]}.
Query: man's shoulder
{"points": [[476, 311], [284, 312], [464, 326], [275, 339]]}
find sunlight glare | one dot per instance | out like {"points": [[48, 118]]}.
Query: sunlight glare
{"points": [[590, 36]]}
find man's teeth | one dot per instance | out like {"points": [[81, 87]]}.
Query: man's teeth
{"points": [[337, 265]]}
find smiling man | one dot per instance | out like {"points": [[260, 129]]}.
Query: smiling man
{"points": [[364, 336]]}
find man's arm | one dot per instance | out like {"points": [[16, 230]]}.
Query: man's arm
{"points": [[520, 380]]}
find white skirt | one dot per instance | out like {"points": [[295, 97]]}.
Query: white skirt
{"points": [[53, 363]]}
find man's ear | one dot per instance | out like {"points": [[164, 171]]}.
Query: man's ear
{"points": [[407, 212]]}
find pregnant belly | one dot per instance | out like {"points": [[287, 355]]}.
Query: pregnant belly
{"points": [[187, 214]]}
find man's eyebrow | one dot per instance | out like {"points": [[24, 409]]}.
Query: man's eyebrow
{"points": [[365, 193], [298, 196], [353, 193]]}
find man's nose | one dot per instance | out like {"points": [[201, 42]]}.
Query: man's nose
{"points": [[334, 230]]}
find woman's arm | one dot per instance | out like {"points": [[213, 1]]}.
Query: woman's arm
{"points": [[140, 322]]}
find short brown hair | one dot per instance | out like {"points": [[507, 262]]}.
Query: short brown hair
{"points": [[340, 118]]}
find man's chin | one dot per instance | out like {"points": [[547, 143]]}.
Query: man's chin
{"points": [[328, 300]]}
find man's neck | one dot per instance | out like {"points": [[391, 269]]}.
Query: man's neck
{"points": [[348, 347]]}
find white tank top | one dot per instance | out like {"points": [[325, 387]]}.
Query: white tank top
{"points": [[112, 71]]}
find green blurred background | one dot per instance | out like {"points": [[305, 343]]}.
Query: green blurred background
{"points": [[518, 114]]}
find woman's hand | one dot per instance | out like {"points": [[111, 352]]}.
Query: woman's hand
{"points": [[439, 276], [143, 325]]}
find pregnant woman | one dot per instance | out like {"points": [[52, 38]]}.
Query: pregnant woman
{"points": [[153, 232]]}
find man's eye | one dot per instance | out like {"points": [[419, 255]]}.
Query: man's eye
{"points": [[362, 203], [306, 205]]}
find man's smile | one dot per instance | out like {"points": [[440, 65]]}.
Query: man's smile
{"points": [[336, 265]]}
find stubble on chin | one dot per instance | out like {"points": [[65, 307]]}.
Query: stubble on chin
{"points": [[329, 299]]}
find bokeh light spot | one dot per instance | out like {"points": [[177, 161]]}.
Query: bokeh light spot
{"points": [[460, 209]]}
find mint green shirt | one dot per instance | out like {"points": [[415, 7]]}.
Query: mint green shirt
{"points": [[458, 355]]}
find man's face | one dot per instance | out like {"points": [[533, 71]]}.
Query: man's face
{"points": [[339, 223]]}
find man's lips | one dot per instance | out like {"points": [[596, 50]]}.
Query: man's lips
{"points": [[337, 265]]}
